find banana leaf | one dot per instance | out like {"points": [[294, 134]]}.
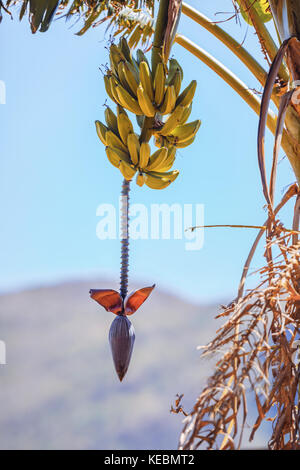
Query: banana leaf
{"points": [[126, 17]]}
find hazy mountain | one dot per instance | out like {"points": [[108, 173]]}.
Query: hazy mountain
{"points": [[59, 389]]}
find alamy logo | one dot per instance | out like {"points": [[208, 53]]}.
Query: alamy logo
{"points": [[159, 222], [2, 353], [2, 92]]}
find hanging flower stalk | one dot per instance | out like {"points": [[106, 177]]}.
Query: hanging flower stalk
{"points": [[161, 108]]}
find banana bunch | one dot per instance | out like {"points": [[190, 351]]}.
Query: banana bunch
{"points": [[130, 83], [124, 151]]}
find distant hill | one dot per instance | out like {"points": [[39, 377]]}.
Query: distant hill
{"points": [[59, 389]]}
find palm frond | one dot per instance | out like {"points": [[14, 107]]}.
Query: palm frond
{"points": [[133, 18]]}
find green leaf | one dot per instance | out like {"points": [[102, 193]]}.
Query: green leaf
{"points": [[262, 8]]}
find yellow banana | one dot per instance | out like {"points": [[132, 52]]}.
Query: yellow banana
{"points": [[140, 179], [111, 120], [113, 86], [144, 155], [186, 143], [140, 56], [185, 132], [159, 84], [146, 80], [125, 127], [186, 97], [169, 101], [170, 175], [101, 131], [131, 76], [127, 170], [159, 140], [108, 88], [168, 163], [176, 82], [112, 140], [173, 121], [123, 46], [112, 157], [145, 102], [127, 101], [118, 154], [122, 77], [186, 114], [156, 161], [116, 56], [133, 145], [174, 67], [156, 182]]}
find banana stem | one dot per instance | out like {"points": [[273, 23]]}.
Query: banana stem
{"points": [[146, 133], [158, 42], [124, 238]]}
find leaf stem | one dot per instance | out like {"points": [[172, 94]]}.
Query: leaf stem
{"points": [[251, 63], [241, 88]]}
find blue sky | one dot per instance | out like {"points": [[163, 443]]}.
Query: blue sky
{"points": [[54, 172]]}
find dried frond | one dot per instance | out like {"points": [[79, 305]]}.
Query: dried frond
{"points": [[258, 356]]}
